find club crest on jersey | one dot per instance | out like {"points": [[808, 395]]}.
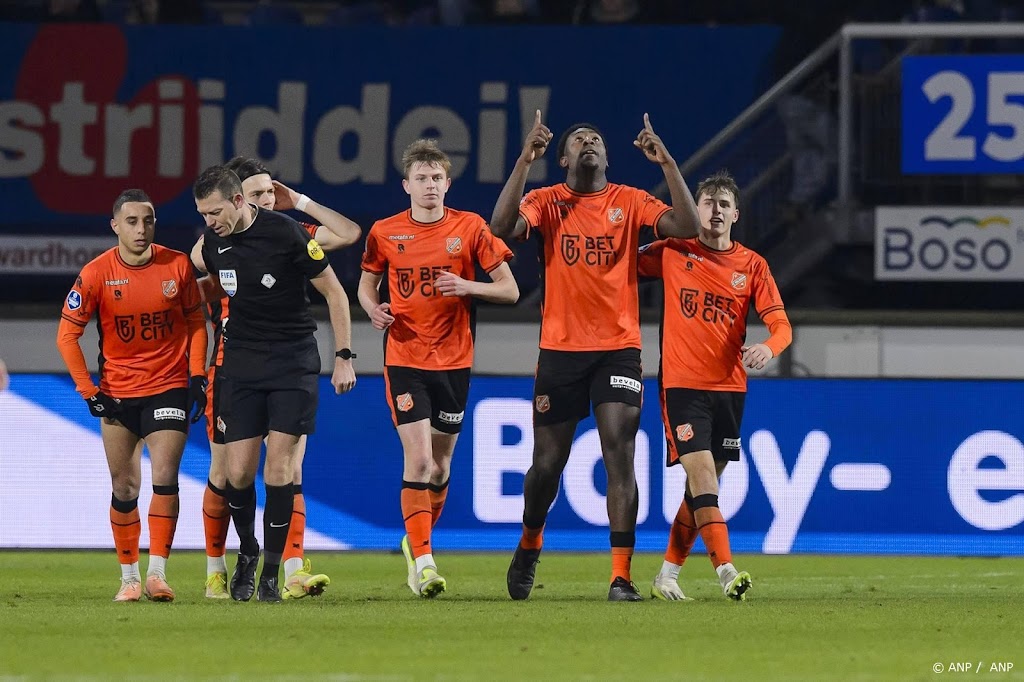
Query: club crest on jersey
{"points": [[268, 280], [453, 245], [615, 215], [229, 282], [570, 248], [404, 402], [739, 280], [74, 300], [170, 288], [684, 432], [542, 403], [314, 249]]}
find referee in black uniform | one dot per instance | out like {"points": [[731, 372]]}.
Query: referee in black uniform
{"points": [[262, 260]]}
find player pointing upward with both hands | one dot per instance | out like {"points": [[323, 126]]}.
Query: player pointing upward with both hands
{"points": [[590, 323]]}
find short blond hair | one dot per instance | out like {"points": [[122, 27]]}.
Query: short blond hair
{"points": [[424, 151]]}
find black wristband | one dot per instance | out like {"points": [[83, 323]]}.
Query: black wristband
{"points": [[345, 354]]}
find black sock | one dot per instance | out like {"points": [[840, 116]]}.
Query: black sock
{"points": [[242, 505], [277, 517]]}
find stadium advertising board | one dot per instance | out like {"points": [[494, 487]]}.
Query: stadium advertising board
{"points": [[828, 466], [963, 114], [151, 106], [967, 243]]}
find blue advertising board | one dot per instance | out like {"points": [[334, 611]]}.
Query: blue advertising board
{"points": [[963, 114], [87, 110], [827, 466]]}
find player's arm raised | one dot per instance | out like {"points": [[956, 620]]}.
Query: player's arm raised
{"points": [[343, 378], [501, 289], [335, 231], [505, 220], [682, 220]]}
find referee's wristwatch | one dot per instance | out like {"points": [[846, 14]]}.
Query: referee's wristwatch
{"points": [[345, 354]]}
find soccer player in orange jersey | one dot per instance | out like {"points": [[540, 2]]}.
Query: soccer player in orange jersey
{"points": [[710, 283], [331, 231], [430, 254], [590, 324], [152, 377]]}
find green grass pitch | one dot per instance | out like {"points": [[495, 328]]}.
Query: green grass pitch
{"points": [[807, 617]]}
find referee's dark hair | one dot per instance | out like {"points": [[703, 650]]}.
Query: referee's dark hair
{"points": [[130, 195], [214, 179], [245, 167]]}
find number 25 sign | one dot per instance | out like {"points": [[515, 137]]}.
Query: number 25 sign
{"points": [[963, 114]]}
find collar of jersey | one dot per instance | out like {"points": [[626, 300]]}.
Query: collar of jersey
{"points": [[731, 249], [433, 224], [254, 216], [603, 190], [152, 257]]}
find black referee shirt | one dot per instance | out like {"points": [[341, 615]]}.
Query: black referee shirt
{"points": [[264, 271]]}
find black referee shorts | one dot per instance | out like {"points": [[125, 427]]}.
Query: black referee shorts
{"points": [[269, 387]]}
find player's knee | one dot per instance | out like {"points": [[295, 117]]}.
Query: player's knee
{"points": [[418, 469], [126, 487]]}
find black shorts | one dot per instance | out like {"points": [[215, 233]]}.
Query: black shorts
{"points": [[269, 387], [440, 395], [214, 421], [161, 412], [568, 382], [702, 420]]}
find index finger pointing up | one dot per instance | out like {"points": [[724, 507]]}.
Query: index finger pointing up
{"points": [[536, 119], [647, 123]]}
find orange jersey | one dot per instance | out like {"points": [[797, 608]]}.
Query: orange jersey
{"points": [[430, 331], [152, 334], [590, 250], [217, 311], [707, 297]]}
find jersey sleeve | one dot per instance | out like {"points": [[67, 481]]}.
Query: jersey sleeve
{"points": [[373, 260], [79, 306], [766, 292], [650, 209], [532, 209], [649, 260], [307, 255], [311, 228], [490, 251], [192, 308]]}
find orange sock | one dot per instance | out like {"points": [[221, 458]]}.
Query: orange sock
{"points": [[713, 530], [438, 495], [622, 557], [163, 519], [216, 519], [127, 529], [297, 529], [416, 512], [681, 535], [533, 538]]}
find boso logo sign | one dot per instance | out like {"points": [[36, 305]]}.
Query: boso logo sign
{"points": [[949, 243]]}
